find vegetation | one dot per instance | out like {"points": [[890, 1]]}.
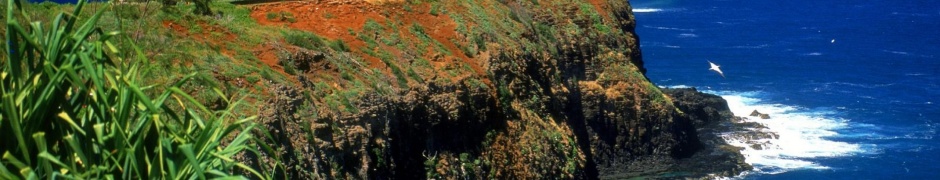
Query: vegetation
{"points": [[504, 55], [71, 108]]}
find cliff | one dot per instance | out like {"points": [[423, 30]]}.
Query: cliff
{"points": [[393, 89], [480, 89]]}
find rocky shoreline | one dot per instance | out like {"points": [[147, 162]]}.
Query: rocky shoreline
{"points": [[716, 125], [713, 121]]}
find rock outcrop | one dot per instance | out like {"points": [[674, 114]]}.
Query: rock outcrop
{"points": [[712, 118], [756, 113], [486, 89]]}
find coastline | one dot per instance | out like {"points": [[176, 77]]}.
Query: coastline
{"points": [[736, 143], [712, 118]]}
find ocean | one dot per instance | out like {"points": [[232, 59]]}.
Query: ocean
{"points": [[852, 86]]}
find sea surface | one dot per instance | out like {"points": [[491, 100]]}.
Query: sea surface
{"points": [[852, 86]]}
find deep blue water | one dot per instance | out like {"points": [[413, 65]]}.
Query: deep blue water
{"points": [[854, 85]]}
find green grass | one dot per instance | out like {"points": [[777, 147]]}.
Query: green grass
{"points": [[435, 9], [72, 109], [303, 39], [339, 45]]}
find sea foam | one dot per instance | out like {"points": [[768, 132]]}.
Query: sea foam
{"points": [[801, 135], [646, 10]]}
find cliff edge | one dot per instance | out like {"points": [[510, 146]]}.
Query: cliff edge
{"points": [[479, 89]]}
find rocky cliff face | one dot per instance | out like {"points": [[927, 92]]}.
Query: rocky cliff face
{"points": [[480, 89]]}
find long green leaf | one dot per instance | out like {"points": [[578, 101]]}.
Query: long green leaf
{"points": [[68, 119], [187, 150]]}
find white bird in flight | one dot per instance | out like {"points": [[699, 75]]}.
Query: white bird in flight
{"points": [[715, 68]]}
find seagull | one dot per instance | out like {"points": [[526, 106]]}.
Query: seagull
{"points": [[715, 68]]}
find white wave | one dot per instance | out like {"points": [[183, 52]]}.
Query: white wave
{"points": [[751, 47], [687, 35], [801, 134], [896, 52], [646, 10], [659, 44], [675, 86], [813, 54], [669, 28]]}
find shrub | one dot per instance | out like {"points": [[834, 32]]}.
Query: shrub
{"points": [[303, 39], [271, 15], [70, 110], [339, 45]]}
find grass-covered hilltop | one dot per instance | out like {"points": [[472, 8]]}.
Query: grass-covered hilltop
{"points": [[549, 89]]}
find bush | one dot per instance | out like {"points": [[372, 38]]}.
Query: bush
{"points": [[303, 39], [71, 110], [339, 45]]}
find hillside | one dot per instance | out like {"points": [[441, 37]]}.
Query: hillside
{"points": [[433, 89]]}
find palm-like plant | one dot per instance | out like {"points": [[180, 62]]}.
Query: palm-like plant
{"points": [[72, 109]]}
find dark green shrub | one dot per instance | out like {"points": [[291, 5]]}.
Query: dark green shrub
{"points": [[339, 45], [72, 110], [303, 39]]}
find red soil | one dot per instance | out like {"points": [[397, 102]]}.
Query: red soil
{"points": [[208, 33], [333, 20], [600, 6]]}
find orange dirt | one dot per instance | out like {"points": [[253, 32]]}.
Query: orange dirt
{"points": [[268, 55], [217, 36], [334, 20], [601, 7], [212, 34]]}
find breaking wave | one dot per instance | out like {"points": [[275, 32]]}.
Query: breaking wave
{"points": [[646, 10], [796, 135]]}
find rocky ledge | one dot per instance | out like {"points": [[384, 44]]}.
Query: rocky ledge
{"points": [[711, 117]]}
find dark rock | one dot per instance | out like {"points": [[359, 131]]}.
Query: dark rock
{"points": [[712, 117], [765, 116], [755, 113]]}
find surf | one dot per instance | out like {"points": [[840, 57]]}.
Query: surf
{"points": [[646, 10], [795, 136]]}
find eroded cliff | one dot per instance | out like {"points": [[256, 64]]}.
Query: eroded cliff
{"points": [[480, 89]]}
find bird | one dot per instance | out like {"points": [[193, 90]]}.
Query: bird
{"points": [[716, 69]]}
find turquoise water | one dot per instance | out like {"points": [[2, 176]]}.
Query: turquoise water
{"points": [[853, 87]]}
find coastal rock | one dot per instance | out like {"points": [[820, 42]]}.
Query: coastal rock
{"points": [[765, 116], [524, 99], [712, 118], [755, 113]]}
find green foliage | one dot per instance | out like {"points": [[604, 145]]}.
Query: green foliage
{"points": [[414, 75], [281, 16], [303, 39], [339, 45], [399, 75], [436, 9], [287, 63], [426, 40], [430, 167], [370, 30], [271, 15], [127, 11], [72, 110], [372, 26], [202, 7]]}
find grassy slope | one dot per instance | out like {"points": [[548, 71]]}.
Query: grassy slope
{"points": [[387, 48]]}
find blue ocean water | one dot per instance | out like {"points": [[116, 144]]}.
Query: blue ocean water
{"points": [[852, 86]]}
